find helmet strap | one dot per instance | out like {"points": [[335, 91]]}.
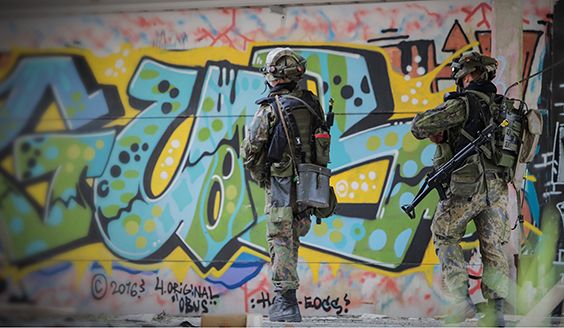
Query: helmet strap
{"points": [[267, 86]]}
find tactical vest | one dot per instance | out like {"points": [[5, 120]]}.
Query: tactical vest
{"points": [[505, 144], [496, 157], [482, 110], [305, 127]]}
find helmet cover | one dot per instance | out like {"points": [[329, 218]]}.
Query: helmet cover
{"points": [[471, 62], [283, 63]]}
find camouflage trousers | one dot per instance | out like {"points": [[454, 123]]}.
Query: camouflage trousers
{"points": [[283, 233], [492, 225]]}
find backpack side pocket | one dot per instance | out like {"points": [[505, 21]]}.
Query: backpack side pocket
{"points": [[322, 146]]}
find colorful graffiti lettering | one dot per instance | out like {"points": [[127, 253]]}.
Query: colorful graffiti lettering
{"points": [[127, 164]]}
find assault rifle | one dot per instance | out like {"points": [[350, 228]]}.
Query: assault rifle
{"points": [[436, 178]]}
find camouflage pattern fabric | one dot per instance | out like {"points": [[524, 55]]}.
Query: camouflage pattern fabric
{"points": [[283, 230], [447, 115], [283, 234], [257, 135], [492, 224], [454, 213]]}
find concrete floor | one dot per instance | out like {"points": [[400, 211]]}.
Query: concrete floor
{"points": [[26, 315]]}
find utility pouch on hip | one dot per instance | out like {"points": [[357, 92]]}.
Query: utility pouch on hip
{"points": [[503, 158], [468, 179], [322, 146], [313, 187], [283, 168]]}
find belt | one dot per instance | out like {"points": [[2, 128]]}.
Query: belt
{"points": [[491, 176]]}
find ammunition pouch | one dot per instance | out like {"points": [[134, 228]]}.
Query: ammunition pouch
{"points": [[468, 179], [507, 139]]}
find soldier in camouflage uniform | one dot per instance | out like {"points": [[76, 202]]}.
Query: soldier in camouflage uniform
{"points": [[286, 222], [485, 202]]}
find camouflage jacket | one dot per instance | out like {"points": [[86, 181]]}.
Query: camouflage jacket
{"points": [[449, 114], [451, 117]]}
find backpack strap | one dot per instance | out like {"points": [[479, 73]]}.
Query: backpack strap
{"points": [[482, 95], [484, 149], [489, 119], [292, 125], [318, 121], [296, 178], [296, 133], [312, 111]]}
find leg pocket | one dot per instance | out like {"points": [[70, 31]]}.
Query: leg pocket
{"points": [[280, 222]]}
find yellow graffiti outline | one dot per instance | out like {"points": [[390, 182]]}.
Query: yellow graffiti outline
{"points": [[200, 57], [178, 261]]}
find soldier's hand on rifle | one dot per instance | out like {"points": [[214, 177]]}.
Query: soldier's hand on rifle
{"points": [[437, 138]]}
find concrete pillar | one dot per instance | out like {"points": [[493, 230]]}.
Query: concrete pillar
{"points": [[507, 48], [507, 43]]}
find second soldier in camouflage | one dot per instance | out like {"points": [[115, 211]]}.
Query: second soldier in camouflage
{"points": [[478, 190]]}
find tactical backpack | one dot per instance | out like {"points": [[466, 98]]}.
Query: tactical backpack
{"points": [[515, 144], [296, 118]]}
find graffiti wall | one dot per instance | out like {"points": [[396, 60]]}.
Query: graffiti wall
{"points": [[122, 189]]}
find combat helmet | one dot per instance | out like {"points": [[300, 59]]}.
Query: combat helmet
{"points": [[471, 62], [283, 63]]}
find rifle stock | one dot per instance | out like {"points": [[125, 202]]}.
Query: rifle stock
{"points": [[437, 177]]}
